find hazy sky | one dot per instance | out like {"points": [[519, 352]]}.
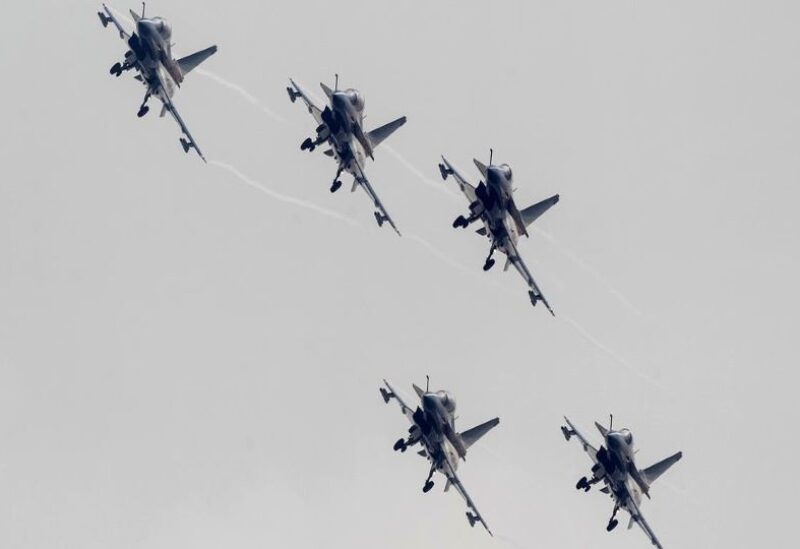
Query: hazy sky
{"points": [[189, 361]]}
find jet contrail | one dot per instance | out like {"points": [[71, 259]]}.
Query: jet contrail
{"points": [[439, 254], [588, 269], [583, 332], [250, 98], [441, 187], [284, 198], [241, 91], [563, 249]]}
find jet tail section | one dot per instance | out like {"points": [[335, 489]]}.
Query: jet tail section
{"points": [[532, 213], [378, 135], [481, 167], [327, 90], [654, 471], [190, 62], [472, 436]]}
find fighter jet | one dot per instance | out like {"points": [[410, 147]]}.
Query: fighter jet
{"points": [[150, 54], [341, 127], [433, 427], [492, 202], [614, 465]]}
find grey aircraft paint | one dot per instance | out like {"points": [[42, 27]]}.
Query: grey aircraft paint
{"points": [[614, 464], [433, 427], [150, 54], [341, 127], [492, 202]]}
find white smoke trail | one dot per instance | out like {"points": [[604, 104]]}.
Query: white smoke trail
{"points": [[441, 187], [284, 198], [439, 254], [558, 245], [572, 256], [249, 97], [584, 333]]}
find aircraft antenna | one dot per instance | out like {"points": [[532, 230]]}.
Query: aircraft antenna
{"points": [[611, 422], [491, 153], [336, 85], [427, 383], [143, 6]]}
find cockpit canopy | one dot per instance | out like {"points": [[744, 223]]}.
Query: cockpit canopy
{"points": [[627, 436], [163, 28], [447, 400], [506, 169], [356, 99]]}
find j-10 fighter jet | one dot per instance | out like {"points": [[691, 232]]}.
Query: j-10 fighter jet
{"points": [[150, 54], [615, 467], [433, 428], [341, 127], [492, 202]]}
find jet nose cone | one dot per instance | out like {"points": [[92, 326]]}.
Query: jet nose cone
{"points": [[339, 100], [615, 441], [429, 402], [144, 28]]}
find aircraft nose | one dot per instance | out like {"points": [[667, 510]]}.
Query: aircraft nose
{"points": [[429, 402], [144, 28], [339, 101], [614, 441], [495, 176]]}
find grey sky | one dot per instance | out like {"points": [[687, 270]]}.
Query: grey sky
{"points": [[189, 361]]}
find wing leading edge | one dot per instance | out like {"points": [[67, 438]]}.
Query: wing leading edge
{"points": [[475, 516], [516, 260], [189, 142]]}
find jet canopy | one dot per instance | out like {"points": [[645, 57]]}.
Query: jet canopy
{"points": [[163, 28], [356, 99], [447, 400]]}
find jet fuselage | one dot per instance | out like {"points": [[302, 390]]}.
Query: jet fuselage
{"points": [[347, 108], [439, 408], [619, 446], [501, 226], [154, 53]]}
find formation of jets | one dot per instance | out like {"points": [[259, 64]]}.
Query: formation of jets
{"points": [[340, 130]]}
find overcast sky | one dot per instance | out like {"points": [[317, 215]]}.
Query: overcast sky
{"points": [[190, 354]]}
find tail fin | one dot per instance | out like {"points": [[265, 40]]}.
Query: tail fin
{"points": [[190, 62], [532, 213], [327, 90], [481, 167], [654, 471], [378, 135], [472, 436]]}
